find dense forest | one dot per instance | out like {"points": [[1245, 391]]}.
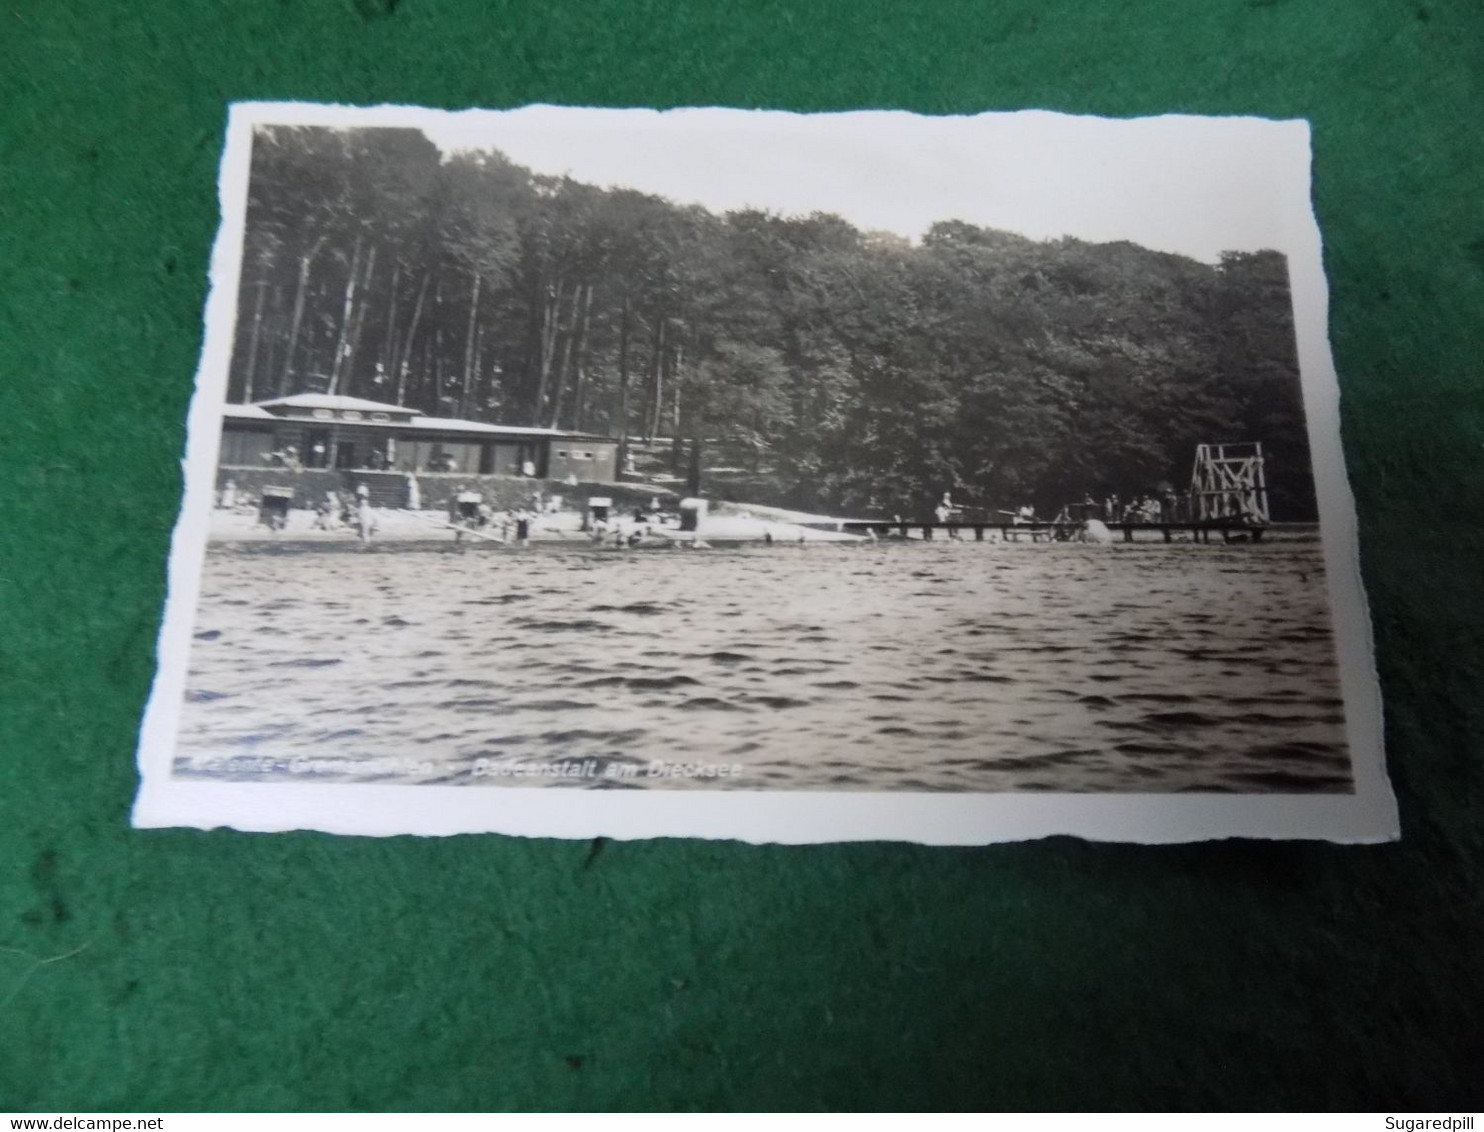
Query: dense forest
{"points": [[850, 369]]}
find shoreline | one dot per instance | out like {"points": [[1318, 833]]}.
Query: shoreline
{"points": [[733, 527], [561, 528]]}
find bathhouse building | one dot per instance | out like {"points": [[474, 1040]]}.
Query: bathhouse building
{"points": [[316, 431]]}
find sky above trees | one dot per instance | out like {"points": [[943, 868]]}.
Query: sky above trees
{"points": [[1197, 187]]}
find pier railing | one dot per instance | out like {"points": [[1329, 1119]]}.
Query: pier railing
{"points": [[1200, 530]]}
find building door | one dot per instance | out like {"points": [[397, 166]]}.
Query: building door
{"points": [[533, 459], [317, 448]]}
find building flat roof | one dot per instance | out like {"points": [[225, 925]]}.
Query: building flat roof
{"points": [[248, 413], [257, 413], [451, 424], [334, 401]]}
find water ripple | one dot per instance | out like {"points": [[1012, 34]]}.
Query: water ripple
{"points": [[1015, 667]]}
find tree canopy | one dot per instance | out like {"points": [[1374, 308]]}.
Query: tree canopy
{"points": [[847, 369]]}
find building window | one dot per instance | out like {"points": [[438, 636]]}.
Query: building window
{"points": [[245, 449], [323, 415], [381, 416], [351, 414], [439, 456]]}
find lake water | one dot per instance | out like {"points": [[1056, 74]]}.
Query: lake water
{"points": [[893, 666]]}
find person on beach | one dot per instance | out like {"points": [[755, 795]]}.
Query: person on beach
{"points": [[365, 516], [458, 520], [325, 511]]}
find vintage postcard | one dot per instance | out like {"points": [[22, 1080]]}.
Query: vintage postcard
{"points": [[738, 474]]}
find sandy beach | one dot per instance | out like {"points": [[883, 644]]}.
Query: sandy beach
{"points": [[400, 525]]}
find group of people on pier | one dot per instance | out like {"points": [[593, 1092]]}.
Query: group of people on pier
{"points": [[1162, 506], [1158, 506]]}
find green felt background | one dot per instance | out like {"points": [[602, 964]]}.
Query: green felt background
{"points": [[224, 970]]}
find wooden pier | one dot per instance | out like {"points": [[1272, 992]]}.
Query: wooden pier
{"points": [[1200, 530], [1228, 495]]}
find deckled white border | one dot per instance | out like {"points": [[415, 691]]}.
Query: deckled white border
{"points": [[1368, 815]]}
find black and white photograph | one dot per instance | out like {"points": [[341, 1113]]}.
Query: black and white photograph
{"points": [[786, 477]]}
